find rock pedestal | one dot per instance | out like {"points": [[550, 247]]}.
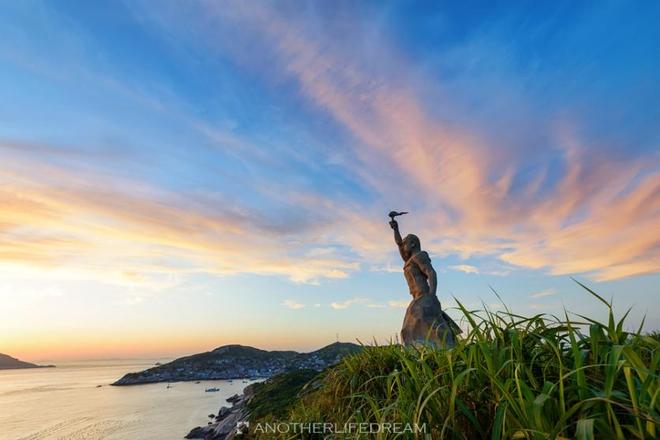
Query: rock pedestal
{"points": [[426, 323]]}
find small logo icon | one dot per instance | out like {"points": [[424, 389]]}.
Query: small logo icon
{"points": [[242, 427]]}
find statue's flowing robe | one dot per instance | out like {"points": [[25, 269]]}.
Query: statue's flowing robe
{"points": [[425, 321]]}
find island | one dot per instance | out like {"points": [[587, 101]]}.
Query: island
{"points": [[10, 363], [239, 361]]}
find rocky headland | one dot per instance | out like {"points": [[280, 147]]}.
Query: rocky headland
{"points": [[9, 363], [239, 361]]}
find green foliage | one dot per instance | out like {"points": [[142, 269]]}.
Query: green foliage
{"points": [[275, 396], [539, 377], [336, 350]]}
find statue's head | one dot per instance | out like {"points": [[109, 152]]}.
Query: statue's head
{"points": [[411, 245]]}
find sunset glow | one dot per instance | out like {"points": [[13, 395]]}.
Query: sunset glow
{"points": [[177, 178]]}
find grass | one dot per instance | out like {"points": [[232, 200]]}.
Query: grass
{"points": [[509, 377], [277, 395]]}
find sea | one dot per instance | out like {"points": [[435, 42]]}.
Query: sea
{"points": [[67, 403]]}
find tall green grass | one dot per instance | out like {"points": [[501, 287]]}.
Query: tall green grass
{"points": [[509, 376]]}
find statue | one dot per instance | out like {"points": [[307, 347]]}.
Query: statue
{"points": [[425, 322]]}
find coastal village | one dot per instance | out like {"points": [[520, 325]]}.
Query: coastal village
{"points": [[239, 362]]}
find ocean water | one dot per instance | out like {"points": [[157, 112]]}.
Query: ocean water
{"points": [[64, 403]]}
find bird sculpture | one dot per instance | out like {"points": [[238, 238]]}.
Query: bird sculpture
{"points": [[393, 214]]}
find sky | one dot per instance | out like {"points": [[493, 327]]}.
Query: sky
{"points": [[176, 176]]}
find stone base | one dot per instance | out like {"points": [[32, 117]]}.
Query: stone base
{"points": [[426, 323]]}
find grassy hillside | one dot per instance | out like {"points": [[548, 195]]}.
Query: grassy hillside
{"points": [[335, 351], [276, 396], [536, 377]]}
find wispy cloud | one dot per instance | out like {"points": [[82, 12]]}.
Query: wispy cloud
{"points": [[348, 303], [466, 268], [469, 191], [376, 306], [126, 231], [294, 305], [398, 304], [399, 141], [544, 293]]}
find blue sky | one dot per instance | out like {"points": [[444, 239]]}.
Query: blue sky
{"points": [[180, 175]]}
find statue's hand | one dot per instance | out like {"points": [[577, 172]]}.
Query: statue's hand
{"points": [[394, 225]]}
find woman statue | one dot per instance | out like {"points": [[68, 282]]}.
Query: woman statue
{"points": [[425, 322]]}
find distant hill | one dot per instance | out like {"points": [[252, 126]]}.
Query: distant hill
{"points": [[239, 361], [9, 363]]}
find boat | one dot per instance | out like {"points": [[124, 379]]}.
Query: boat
{"points": [[212, 390]]}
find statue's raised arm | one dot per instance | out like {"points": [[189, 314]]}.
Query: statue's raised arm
{"points": [[397, 238], [397, 235]]}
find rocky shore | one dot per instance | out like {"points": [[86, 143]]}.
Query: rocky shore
{"points": [[271, 399], [227, 422], [238, 361]]}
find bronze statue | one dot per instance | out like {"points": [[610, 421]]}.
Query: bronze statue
{"points": [[425, 322]]}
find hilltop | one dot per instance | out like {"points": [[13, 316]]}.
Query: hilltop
{"points": [[239, 361], [9, 363]]}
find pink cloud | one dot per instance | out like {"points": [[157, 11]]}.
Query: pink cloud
{"points": [[458, 178]]}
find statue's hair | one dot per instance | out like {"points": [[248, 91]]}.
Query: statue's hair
{"points": [[414, 238]]}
